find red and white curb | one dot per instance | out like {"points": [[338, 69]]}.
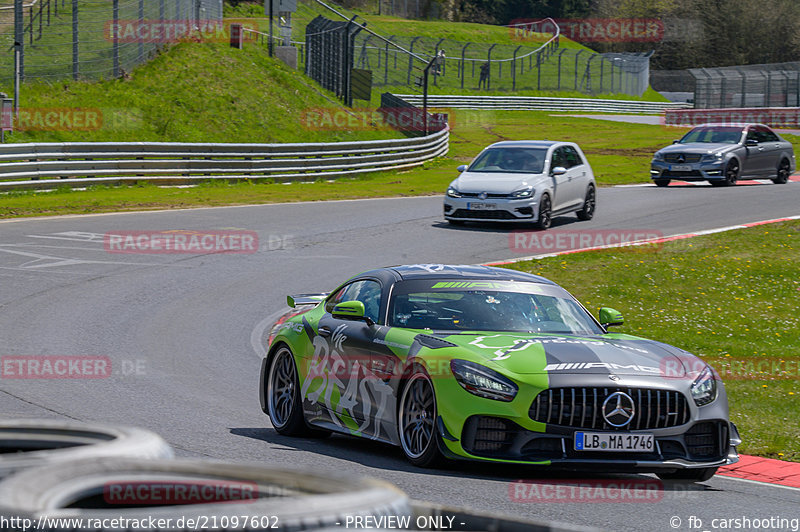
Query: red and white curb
{"points": [[751, 468], [644, 242], [677, 183]]}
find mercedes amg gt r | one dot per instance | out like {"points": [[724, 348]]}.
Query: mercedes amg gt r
{"points": [[481, 363]]}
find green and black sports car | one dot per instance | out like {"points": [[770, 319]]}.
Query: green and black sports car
{"points": [[481, 363]]}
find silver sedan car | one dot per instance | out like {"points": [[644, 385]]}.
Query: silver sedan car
{"points": [[523, 181], [724, 153]]}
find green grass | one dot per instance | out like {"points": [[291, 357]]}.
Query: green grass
{"points": [[624, 161], [726, 297], [195, 92]]}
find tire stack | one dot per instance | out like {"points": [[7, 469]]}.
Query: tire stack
{"points": [[121, 478]]}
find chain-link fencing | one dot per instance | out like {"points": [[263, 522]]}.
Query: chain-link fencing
{"points": [[91, 39], [767, 85]]}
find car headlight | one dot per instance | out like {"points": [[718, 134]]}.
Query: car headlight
{"points": [[482, 381], [453, 193], [523, 193], [704, 387], [712, 158], [658, 156]]}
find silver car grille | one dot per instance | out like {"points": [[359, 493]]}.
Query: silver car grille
{"points": [[581, 407], [682, 157]]}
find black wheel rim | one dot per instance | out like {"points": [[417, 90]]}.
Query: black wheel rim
{"points": [[783, 172], [417, 415], [544, 212], [281, 388], [588, 207], [732, 173]]}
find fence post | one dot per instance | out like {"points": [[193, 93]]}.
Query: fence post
{"points": [[411, 59], [559, 67], [489, 70], [75, 67], [576, 68], [463, 64], [115, 36], [48, 13], [19, 41], [30, 24], [539, 70], [386, 65], [41, 20], [514, 69], [602, 64], [141, 23]]}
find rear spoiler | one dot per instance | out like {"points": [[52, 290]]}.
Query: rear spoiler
{"points": [[305, 299]]}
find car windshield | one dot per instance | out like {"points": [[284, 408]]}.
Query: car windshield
{"points": [[460, 305], [510, 160], [714, 135]]}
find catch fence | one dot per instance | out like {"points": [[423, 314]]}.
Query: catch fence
{"points": [[745, 86]]}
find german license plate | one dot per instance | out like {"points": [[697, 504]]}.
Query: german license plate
{"points": [[681, 168], [481, 206], [609, 441]]}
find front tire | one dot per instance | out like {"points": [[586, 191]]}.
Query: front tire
{"points": [[545, 213], [783, 173], [587, 211], [731, 175], [662, 182], [416, 421], [690, 475]]}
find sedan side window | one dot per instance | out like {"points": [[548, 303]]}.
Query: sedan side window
{"points": [[765, 135], [366, 291], [752, 135]]}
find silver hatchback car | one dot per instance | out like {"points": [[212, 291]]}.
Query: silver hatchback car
{"points": [[523, 181], [724, 153]]}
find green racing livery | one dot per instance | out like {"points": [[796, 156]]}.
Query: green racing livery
{"points": [[481, 363]]}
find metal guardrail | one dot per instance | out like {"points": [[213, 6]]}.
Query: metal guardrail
{"points": [[78, 164], [536, 103]]}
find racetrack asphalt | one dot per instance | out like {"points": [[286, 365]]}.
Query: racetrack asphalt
{"points": [[185, 332]]}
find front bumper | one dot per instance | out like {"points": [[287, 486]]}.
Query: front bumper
{"points": [[688, 171], [503, 209], [474, 428]]}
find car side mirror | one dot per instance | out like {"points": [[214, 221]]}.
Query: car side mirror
{"points": [[462, 168], [676, 142], [351, 310], [610, 317], [558, 170], [751, 142]]}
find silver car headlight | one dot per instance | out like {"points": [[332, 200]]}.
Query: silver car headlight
{"points": [[482, 381], [452, 192], [523, 193], [704, 387], [712, 158]]}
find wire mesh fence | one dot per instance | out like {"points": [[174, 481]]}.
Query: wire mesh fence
{"points": [[766, 85], [91, 39]]}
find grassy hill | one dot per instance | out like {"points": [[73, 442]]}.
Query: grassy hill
{"points": [[193, 92]]}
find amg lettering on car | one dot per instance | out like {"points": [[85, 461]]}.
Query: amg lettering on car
{"points": [[571, 366]]}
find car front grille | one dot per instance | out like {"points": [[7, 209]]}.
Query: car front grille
{"points": [[682, 173], [476, 194], [581, 407], [483, 215], [682, 158]]}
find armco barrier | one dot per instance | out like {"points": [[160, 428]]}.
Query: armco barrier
{"points": [[536, 103], [45, 165]]}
